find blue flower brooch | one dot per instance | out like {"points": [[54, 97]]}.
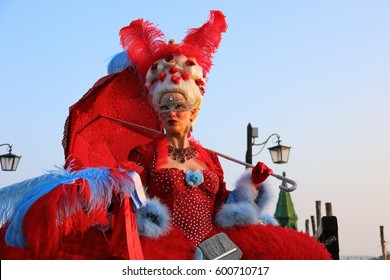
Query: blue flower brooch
{"points": [[194, 178]]}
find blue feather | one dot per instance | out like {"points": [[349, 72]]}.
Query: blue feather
{"points": [[100, 186], [11, 196], [118, 62], [14, 235]]}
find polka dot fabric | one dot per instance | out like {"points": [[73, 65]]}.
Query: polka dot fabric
{"points": [[192, 209]]}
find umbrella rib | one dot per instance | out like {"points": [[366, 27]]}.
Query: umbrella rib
{"points": [[282, 178], [131, 124]]}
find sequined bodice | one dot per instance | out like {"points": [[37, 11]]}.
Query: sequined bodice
{"points": [[192, 208]]}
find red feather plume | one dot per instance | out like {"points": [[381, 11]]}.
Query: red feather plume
{"points": [[204, 41], [142, 40], [49, 219]]}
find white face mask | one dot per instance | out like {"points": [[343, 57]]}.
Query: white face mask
{"points": [[171, 104]]}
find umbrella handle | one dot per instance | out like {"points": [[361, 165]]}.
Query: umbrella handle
{"points": [[286, 180]]}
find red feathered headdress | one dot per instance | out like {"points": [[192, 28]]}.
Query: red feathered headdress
{"points": [[145, 43]]}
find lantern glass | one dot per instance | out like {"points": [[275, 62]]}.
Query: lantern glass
{"points": [[9, 162], [279, 154]]}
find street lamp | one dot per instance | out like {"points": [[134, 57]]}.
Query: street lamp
{"points": [[279, 153], [9, 162]]}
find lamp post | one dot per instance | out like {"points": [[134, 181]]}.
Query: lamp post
{"points": [[279, 153], [9, 162]]}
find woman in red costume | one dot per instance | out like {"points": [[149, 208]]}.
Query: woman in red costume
{"points": [[92, 212], [185, 179]]}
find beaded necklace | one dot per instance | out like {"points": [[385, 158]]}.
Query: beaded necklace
{"points": [[182, 154]]}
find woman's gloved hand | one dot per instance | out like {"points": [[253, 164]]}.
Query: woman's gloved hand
{"points": [[260, 172]]}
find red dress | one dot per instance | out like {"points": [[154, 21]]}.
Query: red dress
{"points": [[193, 211], [191, 208]]}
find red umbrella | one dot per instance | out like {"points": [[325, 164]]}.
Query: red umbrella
{"points": [[91, 136]]}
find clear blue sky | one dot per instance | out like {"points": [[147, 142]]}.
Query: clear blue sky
{"points": [[316, 72]]}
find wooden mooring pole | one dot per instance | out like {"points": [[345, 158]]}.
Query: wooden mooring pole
{"points": [[313, 225], [318, 212], [328, 209], [307, 229], [383, 243]]}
